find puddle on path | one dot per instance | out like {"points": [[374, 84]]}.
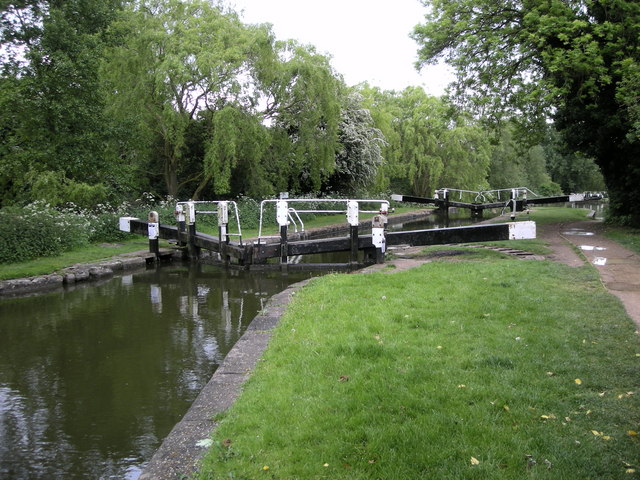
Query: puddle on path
{"points": [[576, 231], [599, 261], [591, 248]]}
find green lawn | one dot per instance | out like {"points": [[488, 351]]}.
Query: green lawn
{"points": [[492, 368], [92, 253]]}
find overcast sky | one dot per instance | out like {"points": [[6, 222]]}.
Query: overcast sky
{"points": [[368, 40]]}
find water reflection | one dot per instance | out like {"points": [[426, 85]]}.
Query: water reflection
{"points": [[92, 380]]}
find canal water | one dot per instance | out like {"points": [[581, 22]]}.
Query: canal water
{"points": [[92, 379]]}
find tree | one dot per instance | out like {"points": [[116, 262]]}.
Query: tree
{"points": [[56, 135], [428, 145], [254, 104], [572, 171], [359, 154], [170, 61], [301, 94], [576, 61]]}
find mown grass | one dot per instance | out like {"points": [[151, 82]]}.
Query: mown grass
{"points": [[453, 370], [92, 253], [546, 215]]}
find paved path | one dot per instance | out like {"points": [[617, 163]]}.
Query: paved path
{"points": [[619, 267]]}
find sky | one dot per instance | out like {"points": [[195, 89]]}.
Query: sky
{"points": [[367, 40]]}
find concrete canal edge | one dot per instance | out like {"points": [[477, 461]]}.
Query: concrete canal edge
{"points": [[179, 454]]}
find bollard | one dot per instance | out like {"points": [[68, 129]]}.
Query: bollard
{"points": [[377, 236], [153, 233], [354, 222], [223, 225], [282, 216], [191, 221], [180, 217]]}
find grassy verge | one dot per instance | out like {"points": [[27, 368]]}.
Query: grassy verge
{"points": [[628, 237], [92, 253], [546, 215], [483, 369]]}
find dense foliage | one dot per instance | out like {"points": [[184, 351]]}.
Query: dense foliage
{"points": [[578, 60]]}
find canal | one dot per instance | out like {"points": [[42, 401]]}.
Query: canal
{"points": [[92, 379]]}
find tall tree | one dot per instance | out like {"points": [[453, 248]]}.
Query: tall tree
{"points": [[577, 61], [172, 60], [52, 51], [360, 152], [301, 95], [428, 146]]}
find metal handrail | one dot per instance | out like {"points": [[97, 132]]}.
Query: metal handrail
{"points": [[316, 200], [217, 202]]}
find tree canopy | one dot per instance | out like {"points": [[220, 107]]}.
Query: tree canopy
{"points": [[574, 61], [106, 99]]}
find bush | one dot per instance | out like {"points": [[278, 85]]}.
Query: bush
{"points": [[38, 230]]}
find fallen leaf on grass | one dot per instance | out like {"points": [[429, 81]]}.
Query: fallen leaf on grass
{"points": [[601, 435], [578, 381], [632, 433]]}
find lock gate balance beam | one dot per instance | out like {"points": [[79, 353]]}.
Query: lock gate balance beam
{"points": [[198, 240], [520, 203]]}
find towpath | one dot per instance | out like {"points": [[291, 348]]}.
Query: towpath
{"points": [[619, 268]]}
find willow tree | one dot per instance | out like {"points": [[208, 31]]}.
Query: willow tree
{"points": [[301, 95], [170, 61], [576, 61]]}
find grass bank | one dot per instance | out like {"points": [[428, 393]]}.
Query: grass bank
{"points": [[92, 253], [492, 368], [625, 236]]}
